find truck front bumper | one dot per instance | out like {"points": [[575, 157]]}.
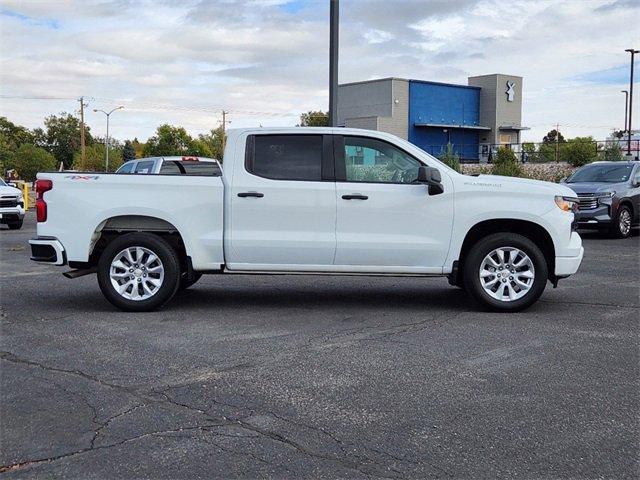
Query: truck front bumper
{"points": [[47, 250], [11, 214], [599, 217], [568, 265]]}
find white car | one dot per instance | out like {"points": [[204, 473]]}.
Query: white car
{"points": [[316, 201], [11, 206], [172, 166]]}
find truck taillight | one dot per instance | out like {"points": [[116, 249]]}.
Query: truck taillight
{"points": [[41, 206]]}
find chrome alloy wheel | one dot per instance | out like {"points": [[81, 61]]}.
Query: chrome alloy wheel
{"points": [[625, 222], [507, 274], [136, 273]]}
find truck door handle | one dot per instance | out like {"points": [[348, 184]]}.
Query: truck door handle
{"points": [[251, 194], [355, 196]]}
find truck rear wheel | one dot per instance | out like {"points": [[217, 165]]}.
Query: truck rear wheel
{"points": [[505, 272], [138, 272]]}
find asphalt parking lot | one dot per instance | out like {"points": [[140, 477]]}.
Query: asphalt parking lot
{"points": [[320, 377]]}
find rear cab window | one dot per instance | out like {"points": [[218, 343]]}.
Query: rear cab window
{"points": [[287, 157], [189, 167]]}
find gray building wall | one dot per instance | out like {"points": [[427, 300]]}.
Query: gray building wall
{"points": [[377, 104], [495, 110]]}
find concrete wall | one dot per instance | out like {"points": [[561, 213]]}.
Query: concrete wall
{"points": [[386, 101], [495, 109]]}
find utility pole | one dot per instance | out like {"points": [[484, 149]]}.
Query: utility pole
{"points": [[557, 140], [632, 52], [626, 106], [224, 129], [83, 151], [334, 23]]}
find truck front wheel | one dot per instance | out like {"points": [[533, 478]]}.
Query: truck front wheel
{"points": [[138, 272], [505, 272]]}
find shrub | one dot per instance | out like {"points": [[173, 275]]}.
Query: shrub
{"points": [[579, 151], [28, 160], [506, 164], [450, 158], [612, 152]]}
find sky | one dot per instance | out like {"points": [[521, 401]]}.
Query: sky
{"points": [[266, 61]]}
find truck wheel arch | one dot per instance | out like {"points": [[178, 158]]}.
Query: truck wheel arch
{"points": [[533, 231], [113, 227]]}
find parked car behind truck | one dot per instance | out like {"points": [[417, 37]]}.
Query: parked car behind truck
{"points": [[609, 194], [315, 201], [11, 206]]}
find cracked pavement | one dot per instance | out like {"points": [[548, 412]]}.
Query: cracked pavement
{"points": [[320, 377]]}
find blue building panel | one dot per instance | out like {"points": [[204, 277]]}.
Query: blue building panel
{"points": [[441, 113]]}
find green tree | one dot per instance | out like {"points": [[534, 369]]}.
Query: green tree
{"points": [[28, 160], [314, 119], [213, 140], [128, 151], [170, 140], [138, 147], [506, 164], [12, 136], [62, 136], [96, 158], [612, 152], [553, 136], [579, 151], [450, 157]]}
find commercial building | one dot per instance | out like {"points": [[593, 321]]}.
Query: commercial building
{"points": [[474, 118]]}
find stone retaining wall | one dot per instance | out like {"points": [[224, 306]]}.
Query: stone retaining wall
{"points": [[550, 172]]}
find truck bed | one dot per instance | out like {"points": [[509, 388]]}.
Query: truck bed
{"points": [[81, 205]]}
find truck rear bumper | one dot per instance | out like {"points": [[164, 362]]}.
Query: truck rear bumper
{"points": [[47, 250]]}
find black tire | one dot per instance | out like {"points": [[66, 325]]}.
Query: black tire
{"points": [[15, 225], [184, 283], [160, 248], [618, 230], [477, 255]]}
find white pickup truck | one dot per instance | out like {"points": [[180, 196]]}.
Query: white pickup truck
{"points": [[314, 201]]}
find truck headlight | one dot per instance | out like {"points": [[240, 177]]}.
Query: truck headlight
{"points": [[605, 197], [567, 204]]}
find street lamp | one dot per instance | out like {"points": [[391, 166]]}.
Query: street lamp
{"points": [[626, 105], [108, 114], [632, 51]]}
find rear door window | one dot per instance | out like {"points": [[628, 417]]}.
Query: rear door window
{"points": [[145, 167], [286, 157]]}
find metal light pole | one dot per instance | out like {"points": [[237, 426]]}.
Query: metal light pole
{"points": [[334, 10], [626, 106], [108, 114], [632, 52]]}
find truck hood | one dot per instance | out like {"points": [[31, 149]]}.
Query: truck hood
{"points": [[593, 187], [9, 191], [526, 185]]}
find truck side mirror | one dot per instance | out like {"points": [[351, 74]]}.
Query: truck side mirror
{"points": [[431, 177]]}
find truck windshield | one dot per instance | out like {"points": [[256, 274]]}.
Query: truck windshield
{"points": [[601, 173]]}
